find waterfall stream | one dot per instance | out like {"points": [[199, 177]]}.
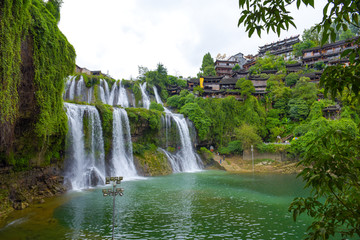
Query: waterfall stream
{"points": [[122, 157], [185, 159], [145, 97], [85, 156]]}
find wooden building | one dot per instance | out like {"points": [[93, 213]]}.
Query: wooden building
{"points": [[282, 47], [332, 112], [329, 53], [228, 83], [193, 82], [224, 67]]}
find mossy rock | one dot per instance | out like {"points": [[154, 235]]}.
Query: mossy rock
{"points": [[152, 163]]}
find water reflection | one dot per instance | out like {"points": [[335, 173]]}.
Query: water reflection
{"points": [[203, 205]]}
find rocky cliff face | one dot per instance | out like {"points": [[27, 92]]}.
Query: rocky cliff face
{"points": [[19, 189], [35, 58]]}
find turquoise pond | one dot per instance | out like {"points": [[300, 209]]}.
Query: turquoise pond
{"points": [[201, 205]]}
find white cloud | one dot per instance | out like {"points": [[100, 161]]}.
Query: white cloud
{"points": [[118, 36]]}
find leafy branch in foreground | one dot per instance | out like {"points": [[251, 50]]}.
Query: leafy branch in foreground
{"points": [[333, 174]]}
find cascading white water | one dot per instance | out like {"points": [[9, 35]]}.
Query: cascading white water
{"points": [[72, 89], [122, 96], [112, 94], [106, 89], [67, 86], [122, 156], [157, 97], [186, 158], [85, 156], [145, 97], [102, 92]]}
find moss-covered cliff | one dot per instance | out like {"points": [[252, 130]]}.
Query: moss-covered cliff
{"points": [[35, 58]]}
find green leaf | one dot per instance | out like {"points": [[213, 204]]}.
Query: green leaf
{"points": [[252, 29], [242, 18]]}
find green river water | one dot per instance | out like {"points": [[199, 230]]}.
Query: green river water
{"points": [[202, 205]]}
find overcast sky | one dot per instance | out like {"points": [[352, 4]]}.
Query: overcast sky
{"points": [[117, 36]]}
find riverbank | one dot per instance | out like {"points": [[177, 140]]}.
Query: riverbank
{"points": [[236, 164], [18, 190]]}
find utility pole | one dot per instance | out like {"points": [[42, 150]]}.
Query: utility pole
{"points": [[113, 192], [252, 157]]}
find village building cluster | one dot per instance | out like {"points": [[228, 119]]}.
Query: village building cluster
{"points": [[224, 83]]}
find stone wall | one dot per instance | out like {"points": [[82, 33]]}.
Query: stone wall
{"points": [[257, 155]]}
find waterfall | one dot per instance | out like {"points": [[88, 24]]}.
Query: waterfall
{"points": [[72, 88], [85, 156], [106, 88], [112, 94], [103, 97], [122, 156], [185, 159], [145, 97], [157, 97], [122, 96]]}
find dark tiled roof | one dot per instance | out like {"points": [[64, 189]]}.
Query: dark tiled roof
{"points": [[194, 80], [298, 64], [212, 77], [228, 81]]}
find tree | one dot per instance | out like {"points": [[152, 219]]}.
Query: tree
{"points": [[305, 90], [298, 109], [248, 136], [311, 35], [246, 88], [299, 47], [207, 66], [332, 171], [332, 154], [346, 35], [236, 68], [291, 79]]}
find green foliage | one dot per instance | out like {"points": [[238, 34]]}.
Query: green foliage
{"points": [[198, 117], [319, 65], [53, 6], [206, 155], [198, 90], [234, 147], [15, 22], [236, 68], [269, 62], [207, 66], [174, 101], [156, 106], [106, 115], [291, 79], [252, 113], [137, 93], [271, 148], [332, 172], [153, 162], [299, 47], [53, 59], [312, 35], [246, 87], [248, 136], [298, 109], [317, 107], [305, 90]]}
